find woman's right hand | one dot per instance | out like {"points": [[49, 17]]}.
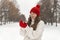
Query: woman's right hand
{"points": [[22, 24]]}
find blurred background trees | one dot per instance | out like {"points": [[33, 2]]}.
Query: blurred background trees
{"points": [[50, 11], [9, 12]]}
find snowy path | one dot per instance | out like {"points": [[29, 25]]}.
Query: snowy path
{"points": [[11, 32]]}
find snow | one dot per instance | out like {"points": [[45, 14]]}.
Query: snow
{"points": [[51, 32], [11, 32]]}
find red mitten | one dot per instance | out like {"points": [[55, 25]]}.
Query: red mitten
{"points": [[22, 24]]}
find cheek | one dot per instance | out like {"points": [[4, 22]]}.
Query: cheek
{"points": [[35, 15]]}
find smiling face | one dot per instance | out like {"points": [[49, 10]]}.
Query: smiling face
{"points": [[33, 15]]}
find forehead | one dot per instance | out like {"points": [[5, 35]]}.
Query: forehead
{"points": [[33, 13]]}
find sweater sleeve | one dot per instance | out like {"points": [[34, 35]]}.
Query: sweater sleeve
{"points": [[23, 31], [38, 32]]}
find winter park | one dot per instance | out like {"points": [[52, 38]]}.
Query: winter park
{"points": [[12, 11]]}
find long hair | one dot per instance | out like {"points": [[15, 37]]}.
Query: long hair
{"points": [[36, 21]]}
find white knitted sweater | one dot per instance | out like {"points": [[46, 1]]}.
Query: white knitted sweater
{"points": [[30, 34]]}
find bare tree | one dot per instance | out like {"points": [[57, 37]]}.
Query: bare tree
{"points": [[46, 13], [8, 11]]}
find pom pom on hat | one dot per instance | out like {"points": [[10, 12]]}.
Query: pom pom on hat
{"points": [[38, 6]]}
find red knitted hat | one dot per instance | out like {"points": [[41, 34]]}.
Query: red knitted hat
{"points": [[36, 10]]}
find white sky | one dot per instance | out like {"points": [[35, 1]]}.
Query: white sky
{"points": [[26, 5]]}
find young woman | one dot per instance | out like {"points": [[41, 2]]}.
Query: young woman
{"points": [[33, 29]]}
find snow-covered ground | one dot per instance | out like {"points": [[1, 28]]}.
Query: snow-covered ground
{"points": [[11, 32]]}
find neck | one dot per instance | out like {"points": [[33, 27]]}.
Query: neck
{"points": [[32, 19]]}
